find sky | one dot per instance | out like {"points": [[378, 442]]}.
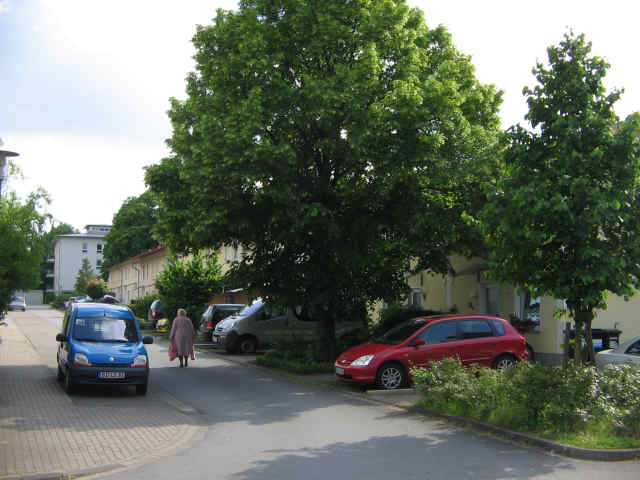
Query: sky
{"points": [[85, 84]]}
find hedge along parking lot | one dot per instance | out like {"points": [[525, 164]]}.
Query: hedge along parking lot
{"points": [[579, 406]]}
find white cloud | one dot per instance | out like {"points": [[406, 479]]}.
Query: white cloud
{"points": [[4, 6], [88, 179]]}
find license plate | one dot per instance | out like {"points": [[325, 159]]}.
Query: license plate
{"points": [[106, 375], [340, 370]]}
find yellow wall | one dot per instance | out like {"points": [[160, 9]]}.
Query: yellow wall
{"points": [[620, 314]]}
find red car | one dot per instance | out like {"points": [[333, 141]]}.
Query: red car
{"points": [[486, 341]]}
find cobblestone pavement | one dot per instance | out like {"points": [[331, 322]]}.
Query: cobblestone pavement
{"points": [[47, 432]]}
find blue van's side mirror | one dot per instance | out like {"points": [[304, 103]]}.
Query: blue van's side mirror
{"points": [[61, 337], [147, 340]]}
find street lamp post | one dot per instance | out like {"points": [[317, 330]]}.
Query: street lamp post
{"points": [[4, 154]]}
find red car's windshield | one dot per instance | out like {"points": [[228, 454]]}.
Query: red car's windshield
{"points": [[401, 332]]}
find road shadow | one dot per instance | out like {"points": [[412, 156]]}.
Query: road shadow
{"points": [[443, 454]]}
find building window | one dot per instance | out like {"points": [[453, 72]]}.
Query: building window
{"points": [[99, 248], [98, 262], [531, 308], [85, 247]]}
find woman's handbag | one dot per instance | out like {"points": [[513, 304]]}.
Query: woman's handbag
{"points": [[193, 354], [172, 352]]}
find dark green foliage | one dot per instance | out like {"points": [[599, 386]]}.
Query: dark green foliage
{"points": [[337, 141], [84, 276], [96, 288], [21, 244], [58, 301], [140, 306], [188, 283], [295, 355], [536, 398], [396, 313], [131, 232], [564, 216]]}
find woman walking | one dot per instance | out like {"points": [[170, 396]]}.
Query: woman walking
{"points": [[182, 336]]}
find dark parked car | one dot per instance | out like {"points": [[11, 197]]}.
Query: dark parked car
{"points": [[213, 314], [18, 303], [475, 339], [156, 312]]}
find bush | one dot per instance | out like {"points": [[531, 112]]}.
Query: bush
{"points": [[96, 288], [58, 301], [535, 398], [618, 393], [294, 354], [140, 306]]}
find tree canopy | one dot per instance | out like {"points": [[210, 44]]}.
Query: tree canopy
{"points": [[342, 142], [21, 245], [189, 283], [564, 218], [131, 232]]}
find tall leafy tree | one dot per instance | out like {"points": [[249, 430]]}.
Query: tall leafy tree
{"points": [[131, 232], [21, 246], [564, 218], [340, 141], [189, 283]]}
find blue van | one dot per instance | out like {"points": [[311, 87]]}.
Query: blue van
{"points": [[101, 344]]}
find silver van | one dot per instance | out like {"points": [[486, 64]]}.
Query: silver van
{"points": [[257, 324]]}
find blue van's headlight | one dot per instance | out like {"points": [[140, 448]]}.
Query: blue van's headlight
{"points": [[80, 360], [140, 361]]}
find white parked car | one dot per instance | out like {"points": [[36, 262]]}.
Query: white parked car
{"points": [[627, 353]]}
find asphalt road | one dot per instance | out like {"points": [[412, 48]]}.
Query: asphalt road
{"points": [[261, 426]]}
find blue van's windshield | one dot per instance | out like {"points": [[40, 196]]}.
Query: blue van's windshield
{"points": [[105, 329]]}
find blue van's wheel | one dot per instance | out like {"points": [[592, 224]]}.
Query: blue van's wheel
{"points": [[68, 383]]}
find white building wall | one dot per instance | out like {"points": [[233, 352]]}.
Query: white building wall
{"points": [[69, 254]]}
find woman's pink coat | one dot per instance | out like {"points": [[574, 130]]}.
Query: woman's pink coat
{"points": [[182, 335]]}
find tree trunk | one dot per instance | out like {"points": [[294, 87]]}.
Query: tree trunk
{"points": [[577, 339], [327, 334], [565, 345], [583, 353], [589, 353]]}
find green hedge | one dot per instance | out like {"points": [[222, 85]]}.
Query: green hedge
{"points": [[537, 398]]}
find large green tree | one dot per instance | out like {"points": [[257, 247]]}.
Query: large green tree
{"points": [[21, 246], [131, 232], [565, 217], [340, 141]]}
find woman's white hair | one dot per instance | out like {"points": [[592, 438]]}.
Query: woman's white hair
{"points": [[182, 312]]}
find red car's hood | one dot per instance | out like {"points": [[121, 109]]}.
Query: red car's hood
{"points": [[369, 348]]}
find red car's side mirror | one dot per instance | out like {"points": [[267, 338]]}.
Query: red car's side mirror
{"points": [[418, 342]]}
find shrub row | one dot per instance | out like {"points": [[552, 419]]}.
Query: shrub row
{"points": [[536, 398]]}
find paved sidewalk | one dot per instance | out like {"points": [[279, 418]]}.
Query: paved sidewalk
{"points": [[44, 431]]}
